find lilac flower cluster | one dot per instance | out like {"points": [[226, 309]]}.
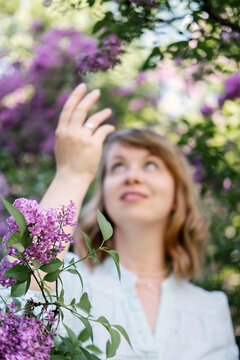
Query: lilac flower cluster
{"points": [[46, 228], [232, 89], [198, 174], [68, 45], [23, 337], [7, 281], [101, 58], [207, 110], [29, 126]]}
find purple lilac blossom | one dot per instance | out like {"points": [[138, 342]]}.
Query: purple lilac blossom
{"points": [[198, 175], [101, 58], [6, 281], [124, 90], [46, 229], [23, 337], [37, 26], [11, 82], [30, 126], [232, 89], [232, 86], [142, 77], [206, 110], [227, 183]]}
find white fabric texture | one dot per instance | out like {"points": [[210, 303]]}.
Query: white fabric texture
{"points": [[192, 323]]}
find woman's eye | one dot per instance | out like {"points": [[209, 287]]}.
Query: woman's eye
{"points": [[151, 165], [116, 166]]}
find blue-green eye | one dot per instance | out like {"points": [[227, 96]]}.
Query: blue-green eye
{"points": [[151, 165], [116, 166]]}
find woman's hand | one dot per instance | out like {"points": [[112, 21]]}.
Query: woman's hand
{"points": [[78, 148]]}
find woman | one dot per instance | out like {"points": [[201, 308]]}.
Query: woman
{"points": [[145, 190]]}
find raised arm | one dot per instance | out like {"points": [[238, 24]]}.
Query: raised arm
{"points": [[78, 151]]}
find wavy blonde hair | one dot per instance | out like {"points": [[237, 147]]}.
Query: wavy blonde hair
{"points": [[187, 234]]}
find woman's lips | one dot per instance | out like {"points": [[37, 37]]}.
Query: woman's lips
{"points": [[132, 196]]}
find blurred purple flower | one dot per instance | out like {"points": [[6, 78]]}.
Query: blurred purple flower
{"points": [[136, 104], [207, 110], [178, 60], [4, 188], [124, 91], [198, 174], [142, 77], [227, 183], [232, 89], [37, 26], [62, 98], [232, 86], [225, 36], [11, 82]]}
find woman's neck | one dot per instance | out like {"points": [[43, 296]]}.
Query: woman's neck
{"points": [[141, 247]]}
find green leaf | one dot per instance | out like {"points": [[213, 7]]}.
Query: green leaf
{"points": [[19, 272], [115, 257], [91, 2], [52, 276], [52, 266], [123, 332], [88, 355], [58, 357], [87, 325], [105, 226], [94, 349], [26, 239], [104, 322], [84, 335], [36, 264], [15, 241], [16, 214], [94, 255], [75, 272], [88, 241], [1, 239], [84, 303], [20, 289], [61, 314], [71, 334], [61, 297], [72, 261], [112, 345]]}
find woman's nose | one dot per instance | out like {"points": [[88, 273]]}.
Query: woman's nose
{"points": [[133, 176]]}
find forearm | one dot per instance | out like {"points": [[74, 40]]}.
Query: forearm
{"points": [[64, 188]]}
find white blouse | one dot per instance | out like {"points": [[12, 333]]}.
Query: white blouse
{"points": [[192, 323]]}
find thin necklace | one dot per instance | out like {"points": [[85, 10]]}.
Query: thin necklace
{"points": [[148, 280]]}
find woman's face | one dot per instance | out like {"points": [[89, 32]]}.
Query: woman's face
{"points": [[138, 187]]}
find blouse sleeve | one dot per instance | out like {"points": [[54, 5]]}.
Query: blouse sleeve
{"points": [[228, 349]]}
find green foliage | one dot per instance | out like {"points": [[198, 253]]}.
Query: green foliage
{"points": [[105, 226], [16, 214]]}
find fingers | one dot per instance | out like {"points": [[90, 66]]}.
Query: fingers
{"points": [[71, 104], [102, 132], [98, 118], [80, 113]]}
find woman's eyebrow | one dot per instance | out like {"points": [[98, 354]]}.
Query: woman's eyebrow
{"points": [[124, 157]]}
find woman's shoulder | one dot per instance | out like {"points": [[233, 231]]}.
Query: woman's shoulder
{"points": [[195, 298]]}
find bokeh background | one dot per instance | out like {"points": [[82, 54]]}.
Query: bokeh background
{"points": [[172, 65]]}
